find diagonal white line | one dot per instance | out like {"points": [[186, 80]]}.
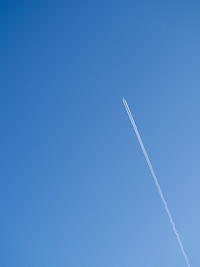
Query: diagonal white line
{"points": [[157, 184]]}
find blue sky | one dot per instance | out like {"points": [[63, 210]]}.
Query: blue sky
{"points": [[75, 189]]}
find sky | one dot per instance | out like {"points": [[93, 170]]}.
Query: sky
{"points": [[75, 189]]}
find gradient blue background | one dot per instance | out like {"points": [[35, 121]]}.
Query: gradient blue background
{"points": [[75, 189]]}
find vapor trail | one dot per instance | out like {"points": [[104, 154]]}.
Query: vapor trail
{"points": [[157, 183]]}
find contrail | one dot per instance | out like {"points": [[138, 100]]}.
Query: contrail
{"points": [[157, 184]]}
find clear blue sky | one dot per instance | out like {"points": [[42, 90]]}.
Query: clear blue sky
{"points": [[75, 190]]}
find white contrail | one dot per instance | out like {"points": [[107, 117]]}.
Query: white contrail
{"points": [[157, 183]]}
